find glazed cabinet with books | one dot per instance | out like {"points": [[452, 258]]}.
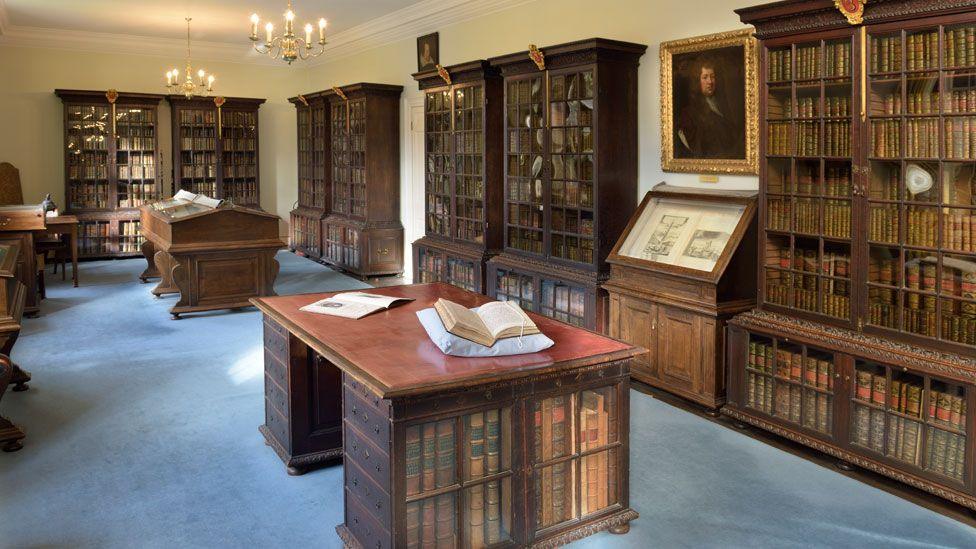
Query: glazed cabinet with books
{"points": [[570, 182], [112, 165], [215, 147], [314, 174], [362, 233], [462, 174], [867, 253]]}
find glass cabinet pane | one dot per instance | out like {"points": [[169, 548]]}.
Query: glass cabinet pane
{"points": [[487, 516], [440, 162], [945, 445], [469, 184], [432, 522], [525, 115]]}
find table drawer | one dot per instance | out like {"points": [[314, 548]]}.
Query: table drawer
{"points": [[362, 391], [366, 529], [275, 341], [572, 379], [369, 416], [375, 461], [276, 396], [277, 425], [370, 495], [457, 401], [274, 368]]}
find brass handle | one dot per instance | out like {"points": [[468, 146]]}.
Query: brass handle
{"points": [[653, 325], [383, 251]]}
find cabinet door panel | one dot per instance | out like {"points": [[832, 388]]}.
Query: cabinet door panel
{"points": [[633, 322], [679, 347]]}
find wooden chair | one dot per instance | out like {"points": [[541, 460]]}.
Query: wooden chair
{"points": [[11, 193]]}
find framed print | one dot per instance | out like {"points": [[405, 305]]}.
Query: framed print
{"points": [[709, 104], [428, 52]]}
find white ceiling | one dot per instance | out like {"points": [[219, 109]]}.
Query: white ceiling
{"points": [[213, 20]]}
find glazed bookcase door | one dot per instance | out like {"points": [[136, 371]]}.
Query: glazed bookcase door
{"points": [[239, 156], [459, 478], [135, 158], [921, 190], [469, 163], [341, 156], [791, 382], [317, 196], [916, 421], [87, 153], [808, 157], [525, 160], [440, 162], [306, 184], [574, 457], [198, 150]]}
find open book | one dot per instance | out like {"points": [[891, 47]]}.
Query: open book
{"points": [[352, 304], [196, 198], [491, 322]]}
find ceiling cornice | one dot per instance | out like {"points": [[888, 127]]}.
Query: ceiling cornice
{"points": [[414, 20]]}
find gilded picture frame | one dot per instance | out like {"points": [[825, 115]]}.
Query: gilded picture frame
{"points": [[700, 88]]}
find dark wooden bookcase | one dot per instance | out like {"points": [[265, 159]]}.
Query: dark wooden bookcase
{"points": [[112, 166], [462, 174], [682, 268], [215, 147], [863, 345], [362, 233], [570, 175], [314, 173]]}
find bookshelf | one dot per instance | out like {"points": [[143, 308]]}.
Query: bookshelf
{"points": [[112, 166], [362, 233], [570, 175], [867, 265], [684, 265], [463, 171], [314, 174], [215, 147]]}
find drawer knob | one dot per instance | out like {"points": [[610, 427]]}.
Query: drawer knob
{"points": [[376, 429], [365, 418], [383, 251], [355, 482]]}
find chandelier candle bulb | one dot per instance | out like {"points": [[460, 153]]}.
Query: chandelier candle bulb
{"points": [[270, 29], [254, 26], [322, 23], [308, 35], [289, 23]]}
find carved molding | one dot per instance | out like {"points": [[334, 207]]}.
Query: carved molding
{"points": [[860, 461], [348, 541], [586, 530], [302, 461], [859, 344]]}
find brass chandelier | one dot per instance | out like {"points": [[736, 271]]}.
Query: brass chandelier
{"points": [[287, 46], [188, 87]]}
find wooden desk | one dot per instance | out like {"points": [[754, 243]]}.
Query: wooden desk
{"points": [[12, 296], [23, 223], [530, 449], [215, 258], [67, 224]]}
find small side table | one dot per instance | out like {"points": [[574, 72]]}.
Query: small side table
{"points": [[67, 224]]}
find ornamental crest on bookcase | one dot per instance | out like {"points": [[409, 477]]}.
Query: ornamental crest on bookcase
{"points": [[537, 57], [853, 10], [302, 99], [446, 76], [340, 93]]}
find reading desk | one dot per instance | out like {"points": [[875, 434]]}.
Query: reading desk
{"points": [[516, 451]]}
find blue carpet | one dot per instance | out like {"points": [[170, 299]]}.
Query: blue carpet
{"points": [[142, 432]]}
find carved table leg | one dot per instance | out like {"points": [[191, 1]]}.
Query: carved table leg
{"points": [[20, 378], [620, 529], [844, 466], [165, 264], [10, 434], [149, 251], [295, 471]]}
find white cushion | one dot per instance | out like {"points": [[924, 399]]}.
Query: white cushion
{"points": [[453, 345]]}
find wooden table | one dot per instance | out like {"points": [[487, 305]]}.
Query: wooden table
{"points": [[213, 257], [520, 451], [67, 224], [24, 223]]}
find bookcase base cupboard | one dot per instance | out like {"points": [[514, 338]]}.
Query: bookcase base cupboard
{"points": [[864, 342]]}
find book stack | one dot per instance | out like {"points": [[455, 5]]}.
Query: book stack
{"points": [[885, 54], [838, 180], [554, 494], [837, 138], [806, 107], [431, 464], [922, 138], [884, 138], [920, 102], [838, 59], [93, 237], [837, 218], [904, 432], [807, 215], [759, 386], [884, 186], [958, 317], [959, 141], [923, 226], [461, 272], [960, 101], [807, 62], [919, 310], [563, 302], [431, 265], [597, 471], [778, 138], [778, 287], [779, 107], [483, 503], [807, 178], [945, 451], [807, 139], [960, 47], [837, 106], [882, 300], [803, 386], [780, 65], [922, 51], [959, 230], [884, 223], [779, 214]]}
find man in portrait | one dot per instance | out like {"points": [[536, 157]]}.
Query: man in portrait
{"points": [[708, 125]]}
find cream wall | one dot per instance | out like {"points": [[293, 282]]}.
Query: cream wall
{"points": [[31, 136], [547, 22]]}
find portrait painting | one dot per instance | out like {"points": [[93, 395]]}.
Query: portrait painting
{"points": [[428, 52], [709, 104]]}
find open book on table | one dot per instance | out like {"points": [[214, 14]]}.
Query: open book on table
{"points": [[194, 198], [491, 322], [352, 304]]}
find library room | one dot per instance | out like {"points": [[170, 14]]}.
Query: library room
{"points": [[487, 274]]}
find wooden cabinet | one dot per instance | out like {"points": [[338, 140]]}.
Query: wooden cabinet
{"points": [[570, 173], [866, 327], [682, 267], [362, 234], [111, 167], [314, 174], [215, 147], [463, 172]]}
